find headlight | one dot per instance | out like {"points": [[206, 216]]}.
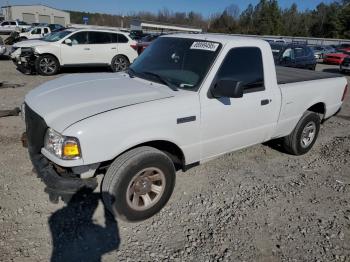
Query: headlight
{"points": [[67, 148]]}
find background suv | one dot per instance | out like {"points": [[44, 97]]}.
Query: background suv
{"points": [[294, 55], [77, 47]]}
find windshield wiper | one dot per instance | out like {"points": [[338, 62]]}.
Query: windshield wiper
{"points": [[162, 80]]}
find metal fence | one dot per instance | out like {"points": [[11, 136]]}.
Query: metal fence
{"points": [[307, 40]]}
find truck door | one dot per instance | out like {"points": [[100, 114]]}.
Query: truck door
{"points": [[232, 123]]}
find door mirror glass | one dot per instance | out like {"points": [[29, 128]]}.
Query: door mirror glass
{"points": [[227, 88], [68, 41]]}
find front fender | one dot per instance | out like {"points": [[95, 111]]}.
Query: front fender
{"points": [[106, 135]]}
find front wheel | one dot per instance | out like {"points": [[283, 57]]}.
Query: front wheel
{"points": [[138, 184], [47, 65], [120, 63], [304, 135]]}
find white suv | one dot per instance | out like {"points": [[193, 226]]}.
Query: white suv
{"points": [[35, 33], [76, 47]]}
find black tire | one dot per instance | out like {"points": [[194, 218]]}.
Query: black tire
{"points": [[120, 63], [47, 65], [293, 143], [23, 38], [118, 182], [313, 67]]}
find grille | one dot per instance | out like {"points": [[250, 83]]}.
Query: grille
{"points": [[36, 128]]}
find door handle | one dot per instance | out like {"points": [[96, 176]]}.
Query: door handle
{"points": [[265, 102], [113, 48], [87, 49]]}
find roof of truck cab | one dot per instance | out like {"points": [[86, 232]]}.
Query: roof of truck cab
{"points": [[221, 38]]}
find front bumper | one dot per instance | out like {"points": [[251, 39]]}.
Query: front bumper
{"points": [[60, 182], [25, 62]]}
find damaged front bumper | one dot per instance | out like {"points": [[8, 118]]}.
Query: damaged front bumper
{"points": [[60, 182], [24, 59]]}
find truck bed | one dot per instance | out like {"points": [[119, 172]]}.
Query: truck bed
{"points": [[286, 75]]}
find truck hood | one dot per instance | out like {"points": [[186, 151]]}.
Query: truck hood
{"points": [[30, 43], [69, 99]]}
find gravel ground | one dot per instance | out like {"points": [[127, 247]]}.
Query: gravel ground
{"points": [[257, 204]]}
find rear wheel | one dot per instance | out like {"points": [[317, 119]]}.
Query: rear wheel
{"points": [[47, 65], [304, 135], [120, 63], [138, 184]]}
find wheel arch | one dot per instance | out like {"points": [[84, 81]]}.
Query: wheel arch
{"points": [[59, 62], [172, 150], [120, 55], [319, 108]]}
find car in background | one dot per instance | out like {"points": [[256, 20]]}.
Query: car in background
{"points": [[321, 50], [136, 35], [145, 42], [56, 27], [35, 33], [76, 48], [344, 47], [3, 48], [336, 58], [272, 40], [10, 26], [293, 55], [345, 65]]}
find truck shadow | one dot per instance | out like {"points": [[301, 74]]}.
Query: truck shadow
{"points": [[276, 144], [76, 236]]}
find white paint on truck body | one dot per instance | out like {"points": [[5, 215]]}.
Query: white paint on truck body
{"points": [[111, 113]]}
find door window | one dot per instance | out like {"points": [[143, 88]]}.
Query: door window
{"points": [[299, 52], [288, 53], [13, 23], [46, 30], [244, 65], [79, 38], [5, 23], [122, 38], [119, 38], [36, 31], [99, 38]]}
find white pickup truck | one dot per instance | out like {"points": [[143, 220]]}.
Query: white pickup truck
{"points": [[187, 99]]}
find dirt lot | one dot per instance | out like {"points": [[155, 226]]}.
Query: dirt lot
{"points": [[257, 204]]}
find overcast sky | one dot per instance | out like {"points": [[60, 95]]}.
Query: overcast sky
{"points": [[206, 7]]}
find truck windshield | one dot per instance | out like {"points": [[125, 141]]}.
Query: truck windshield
{"points": [[53, 37], [176, 62]]}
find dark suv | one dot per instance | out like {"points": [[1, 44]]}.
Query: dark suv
{"points": [[294, 55]]}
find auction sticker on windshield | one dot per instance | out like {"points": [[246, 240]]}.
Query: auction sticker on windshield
{"points": [[208, 46]]}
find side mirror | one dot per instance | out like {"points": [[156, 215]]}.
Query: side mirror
{"points": [[228, 88], [68, 42]]}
